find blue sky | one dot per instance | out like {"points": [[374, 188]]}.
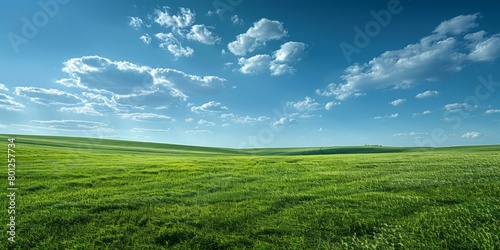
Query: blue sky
{"points": [[240, 73]]}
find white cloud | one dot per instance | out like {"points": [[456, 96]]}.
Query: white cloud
{"points": [[261, 32], [2, 126], [254, 65], [73, 125], [458, 107], [188, 120], [330, 105], [392, 116], [290, 52], [183, 19], [285, 122], [411, 134], [3, 87], [186, 83], [432, 58], [278, 69], [491, 111], [486, 49], [8, 103], [308, 104], [236, 20], [127, 84], [244, 119], [169, 42], [427, 94], [228, 116], [84, 110], [250, 120], [141, 117], [48, 96], [149, 130], [146, 39], [457, 25], [427, 112], [278, 65], [135, 22], [201, 34], [197, 132], [205, 123], [398, 102], [209, 107], [471, 135]]}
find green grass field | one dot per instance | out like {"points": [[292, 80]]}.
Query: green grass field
{"points": [[76, 193]]}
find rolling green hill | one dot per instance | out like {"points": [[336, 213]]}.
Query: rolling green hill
{"points": [[119, 146], [77, 193]]}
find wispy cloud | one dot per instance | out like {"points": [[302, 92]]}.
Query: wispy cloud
{"points": [[135, 22], [146, 38], [141, 117], [149, 130], [209, 107], [308, 104], [48, 96], [3, 87], [471, 135], [202, 34], [330, 105], [434, 57], [411, 134], [8, 103], [392, 116], [206, 123], [398, 102], [427, 112], [284, 122], [237, 20], [458, 107], [492, 111], [84, 110], [197, 132], [427, 94], [73, 125], [244, 119], [170, 43]]}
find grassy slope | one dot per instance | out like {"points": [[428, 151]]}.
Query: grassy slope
{"points": [[92, 194], [117, 146]]}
